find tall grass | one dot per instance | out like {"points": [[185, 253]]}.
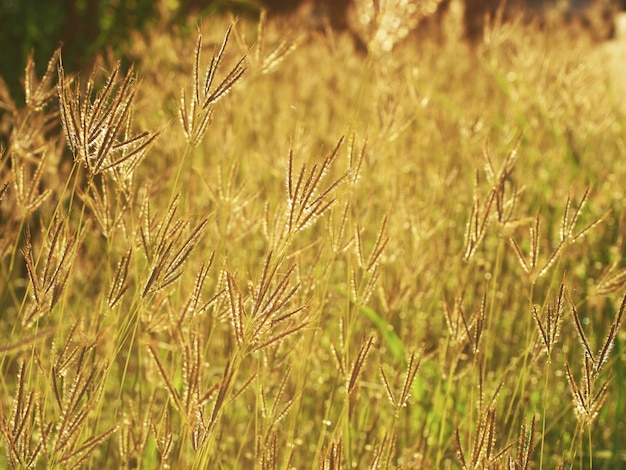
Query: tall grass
{"points": [[255, 249]]}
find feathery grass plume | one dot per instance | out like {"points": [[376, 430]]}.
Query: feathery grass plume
{"points": [[191, 368], [567, 226], [455, 318], [505, 203], [136, 428], [165, 250], [6, 101], [481, 388], [266, 437], [80, 451], [550, 326], [478, 453], [259, 60], [268, 458], [236, 393], [268, 316], [63, 359], [366, 291], [588, 397], [476, 227], [268, 305], [29, 128], [232, 200], [386, 446], [364, 281], [358, 247], [205, 430], [97, 128], [196, 116], [525, 447], [236, 309], [598, 361], [119, 285], [529, 266], [483, 440], [27, 182], [609, 341], [23, 446], [267, 393], [391, 125], [463, 330], [333, 456], [104, 206], [613, 277], [173, 392], [610, 280], [191, 401], [38, 93], [337, 232], [483, 452], [194, 305], [28, 148], [164, 437], [478, 322], [409, 378], [567, 234], [307, 200], [357, 365], [48, 282], [581, 335], [379, 245], [355, 160], [77, 383], [5, 186], [191, 404]]}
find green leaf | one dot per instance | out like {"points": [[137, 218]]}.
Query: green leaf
{"points": [[395, 344]]}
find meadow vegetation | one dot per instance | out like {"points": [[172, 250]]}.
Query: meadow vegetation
{"points": [[259, 250]]}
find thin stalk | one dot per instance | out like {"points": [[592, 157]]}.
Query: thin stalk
{"points": [[442, 423], [546, 388], [520, 386], [492, 300], [590, 448], [178, 173]]}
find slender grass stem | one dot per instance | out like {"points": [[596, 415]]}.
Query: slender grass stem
{"points": [[546, 393]]}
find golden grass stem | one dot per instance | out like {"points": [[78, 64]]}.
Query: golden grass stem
{"points": [[544, 412]]}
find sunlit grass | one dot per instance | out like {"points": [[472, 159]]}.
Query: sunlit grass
{"points": [[265, 250]]}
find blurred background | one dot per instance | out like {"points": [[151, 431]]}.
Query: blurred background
{"points": [[87, 27]]}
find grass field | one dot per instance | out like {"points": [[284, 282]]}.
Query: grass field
{"points": [[274, 251]]}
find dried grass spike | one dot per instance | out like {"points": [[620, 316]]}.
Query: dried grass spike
{"points": [[610, 339], [39, 93], [379, 246], [236, 308], [409, 378], [525, 447], [119, 284], [581, 335], [358, 364], [387, 386], [173, 392], [521, 258]]}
